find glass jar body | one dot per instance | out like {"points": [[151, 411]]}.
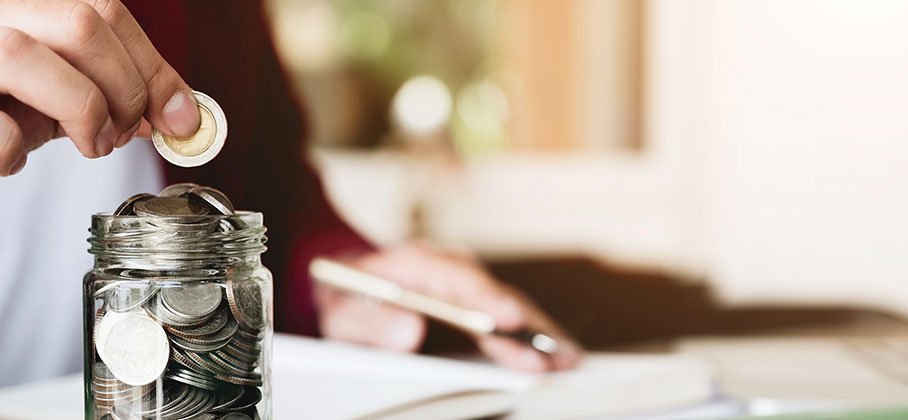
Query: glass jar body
{"points": [[171, 335]]}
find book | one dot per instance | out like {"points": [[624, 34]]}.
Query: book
{"points": [[330, 380], [327, 380]]}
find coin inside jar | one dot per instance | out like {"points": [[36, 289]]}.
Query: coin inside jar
{"points": [[169, 206], [175, 190], [244, 300], [202, 146], [126, 297], [127, 207], [135, 349], [211, 197], [192, 300]]}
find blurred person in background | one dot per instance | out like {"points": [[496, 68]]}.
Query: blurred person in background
{"points": [[98, 72]]}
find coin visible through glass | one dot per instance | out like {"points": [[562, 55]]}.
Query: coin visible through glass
{"points": [[245, 300], [126, 297], [196, 300], [136, 349]]}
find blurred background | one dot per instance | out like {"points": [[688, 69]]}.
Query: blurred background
{"points": [[643, 168]]}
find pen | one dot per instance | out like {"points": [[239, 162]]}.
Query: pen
{"points": [[344, 277]]}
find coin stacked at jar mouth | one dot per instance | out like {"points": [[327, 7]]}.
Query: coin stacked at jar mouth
{"points": [[174, 345]]}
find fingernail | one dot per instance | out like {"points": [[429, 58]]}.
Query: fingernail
{"points": [[181, 114], [17, 167], [127, 136], [107, 137]]}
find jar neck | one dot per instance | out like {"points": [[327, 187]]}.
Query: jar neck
{"points": [[166, 244], [164, 263]]}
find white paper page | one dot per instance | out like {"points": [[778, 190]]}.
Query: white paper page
{"points": [[609, 384], [604, 383], [300, 354], [332, 397]]}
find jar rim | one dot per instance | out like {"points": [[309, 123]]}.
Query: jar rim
{"points": [[177, 237], [242, 214]]}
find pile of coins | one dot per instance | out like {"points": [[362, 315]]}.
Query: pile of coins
{"points": [[173, 347]]}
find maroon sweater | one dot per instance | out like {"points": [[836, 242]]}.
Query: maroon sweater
{"points": [[224, 48]]}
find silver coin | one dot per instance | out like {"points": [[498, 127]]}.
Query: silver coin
{"points": [[189, 227], [102, 373], [257, 336], [189, 377], [213, 198], [136, 349], [224, 226], [227, 398], [193, 300], [169, 206], [245, 344], [102, 333], [240, 381], [219, 336], [173, 394], [127, 207], [214, 324], [191, 396], [178, 355], [234, 416], [129, 295], [241, 355], [251, 397], [160, 312], [176, 190], [220, 366], [201, 147], [106, 394], [245, 301], [239, 369], [197, 347], [240, 346], [247, 364], [204, 404], [210, 367]]}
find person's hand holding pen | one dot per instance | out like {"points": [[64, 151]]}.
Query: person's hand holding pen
{"points": [[449, 277]]}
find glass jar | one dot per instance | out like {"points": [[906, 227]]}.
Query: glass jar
{"points": [[178, 318]]}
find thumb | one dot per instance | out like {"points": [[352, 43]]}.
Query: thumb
{"points": [[173, 108]]}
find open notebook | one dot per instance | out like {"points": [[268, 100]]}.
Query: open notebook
{"points": [[328, 380]]}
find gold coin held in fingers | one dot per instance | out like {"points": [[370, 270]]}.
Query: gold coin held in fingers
{"points": [[197, 143], [203, 145]]}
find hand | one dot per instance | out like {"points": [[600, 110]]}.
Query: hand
{"points": [[86, 70], [450, 277]]}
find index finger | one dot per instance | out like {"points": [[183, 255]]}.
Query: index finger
{"points": [[171, 105]]}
